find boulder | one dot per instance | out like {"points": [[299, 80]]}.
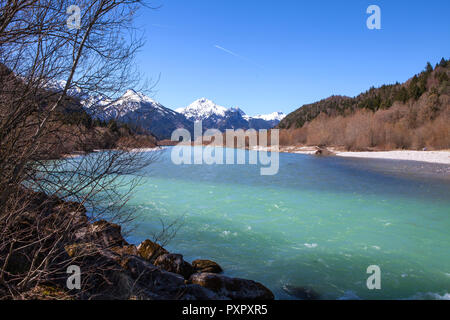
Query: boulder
{"points": [[150, 282], [115, 276], [107, 234], [174, 263], [208, 266], [232, 288], [126, 250], [323, 152], [150, 250]]}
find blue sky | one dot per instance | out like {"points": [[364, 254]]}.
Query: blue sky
{"points": [[266, 56]]}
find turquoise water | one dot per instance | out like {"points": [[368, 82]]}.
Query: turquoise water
{"points": [[319, 223]]}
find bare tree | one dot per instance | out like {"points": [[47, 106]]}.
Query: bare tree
{"points": [[46, 70]]}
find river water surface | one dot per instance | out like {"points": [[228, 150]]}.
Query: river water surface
{"points": [[319, 223]]}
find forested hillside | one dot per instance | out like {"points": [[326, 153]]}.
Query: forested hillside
{"points": [[414, 114]]}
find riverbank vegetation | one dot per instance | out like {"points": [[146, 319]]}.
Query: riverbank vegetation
{"points": [[412, 115]]}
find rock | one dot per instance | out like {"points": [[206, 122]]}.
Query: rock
{"points": [[106, 233], [174, 263], [80, 249], [150, 250], [138, 267], [142, 280], [197, 292], [126, 250], [75, 211], [207, 266], [323, 152], [233, 288], [303, 293], [111, 275]]}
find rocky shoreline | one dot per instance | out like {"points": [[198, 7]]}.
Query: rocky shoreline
{"points": [[111, 268]]}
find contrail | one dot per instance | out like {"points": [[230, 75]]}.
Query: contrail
{"points": [[228, 51], [236, 55]]}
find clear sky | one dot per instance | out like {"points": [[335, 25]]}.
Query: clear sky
{"points": [[267, 56]]}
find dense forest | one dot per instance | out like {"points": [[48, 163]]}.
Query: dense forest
{"points": [[413, 115]]}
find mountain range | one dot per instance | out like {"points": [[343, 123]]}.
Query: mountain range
{"points": [[138, 109], [214, 116]]}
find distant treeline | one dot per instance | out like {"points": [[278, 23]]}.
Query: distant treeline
{"points": [[415, 114], [93, 133]]}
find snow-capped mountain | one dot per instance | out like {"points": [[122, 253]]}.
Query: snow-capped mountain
{"points": [[138, 109], [202, 109], [214, 116], [274, 116], [130, 102]]}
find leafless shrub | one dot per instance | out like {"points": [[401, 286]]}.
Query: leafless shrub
{"points": [[38, 51], [413, 125], [168, 231]]}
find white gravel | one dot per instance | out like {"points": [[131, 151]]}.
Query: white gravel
{"points": [[424, 156]]}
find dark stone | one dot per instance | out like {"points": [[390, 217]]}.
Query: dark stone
{"points": [[323, 152], [208, 266], [126, 250], [106, 233], [150, 250], [232, 288], [174, 263]]}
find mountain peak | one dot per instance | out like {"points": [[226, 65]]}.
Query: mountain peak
{"points": [[238, 110], [133, 96], [202, 108]]}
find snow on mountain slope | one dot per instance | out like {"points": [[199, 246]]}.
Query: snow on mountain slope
{"points": [[132, 102], [138, 109], [201, 109], [218, 117], [59, 85], [275, 116]]}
